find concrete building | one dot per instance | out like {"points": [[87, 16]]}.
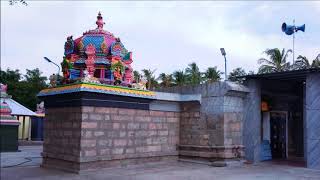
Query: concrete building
{"points": [[291, 121]]}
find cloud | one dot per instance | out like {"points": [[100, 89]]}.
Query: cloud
{"points": [[162, 35]]}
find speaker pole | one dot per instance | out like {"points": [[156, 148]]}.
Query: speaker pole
{"points": [[225, 68], [294, 31]]}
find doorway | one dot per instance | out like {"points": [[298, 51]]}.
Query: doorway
{"points": [[278, 134]]}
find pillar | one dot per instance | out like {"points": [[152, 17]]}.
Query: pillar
{"points": [[252, 122], [312, 121], [102, 74]]}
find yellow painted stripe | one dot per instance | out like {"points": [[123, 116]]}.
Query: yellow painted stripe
{"points": [[97, 87]]}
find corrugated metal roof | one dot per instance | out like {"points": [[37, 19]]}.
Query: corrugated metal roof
{"points": [[18, 109], [296, 75]]}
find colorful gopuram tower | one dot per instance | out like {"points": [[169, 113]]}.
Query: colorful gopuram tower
{"points": [[97, 56]]}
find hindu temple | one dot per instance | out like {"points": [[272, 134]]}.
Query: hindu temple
{"points": [[97, 119], [98, 54]]}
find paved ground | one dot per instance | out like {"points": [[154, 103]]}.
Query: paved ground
{"points": [[154, 171], [27, 156]]}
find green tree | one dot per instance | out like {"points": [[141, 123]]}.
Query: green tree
{"points": [[303, 63], [277, 61], [12, 2], [166, 80], [150, 77], [24, 90], [251, 72], [12, 79], [179, 78], [35, 78], [212, 74], [316, 63], [136, 76], [235, 73], [193, 74], [10, 76], [35, 82]]}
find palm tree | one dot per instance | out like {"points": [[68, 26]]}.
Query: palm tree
{"points": [[212, 74], [151, 80], [166, 79], [303, 63], [12, 2], [316, 62], [277, 61], [136, 76], [193, 73], [180, 78]]}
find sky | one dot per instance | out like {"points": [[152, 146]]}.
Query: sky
{"points": [[164, 36]]}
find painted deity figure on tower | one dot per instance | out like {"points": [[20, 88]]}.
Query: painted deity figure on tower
{"points": [[100, 54]]}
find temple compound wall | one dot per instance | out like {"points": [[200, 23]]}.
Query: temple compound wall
{"points": [[91, 137], [87, 129], [215, 130]]}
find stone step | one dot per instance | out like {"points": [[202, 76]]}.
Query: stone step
{"points": [[228, 163], [197, 161], [218, 163]]}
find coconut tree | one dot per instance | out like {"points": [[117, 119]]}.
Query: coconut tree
{"points": [[316, 63], [303, 63], [180, 78], [277, 61], [150, 77], [166, 80], [136, 76], [12, 2], [212, 74], [193, 74]]}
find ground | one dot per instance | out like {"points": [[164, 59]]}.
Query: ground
{"points": [[179, 170]]}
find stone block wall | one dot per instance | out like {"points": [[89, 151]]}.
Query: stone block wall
{"points": [[214, 136], [98, 137], [252, 122], [214, 128], [62, 135], [193, 130], [93, 131]]}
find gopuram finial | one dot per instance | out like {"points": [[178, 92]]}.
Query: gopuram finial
{"points": [[99, 21]]}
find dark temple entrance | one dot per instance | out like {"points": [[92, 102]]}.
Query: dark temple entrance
{"points": [[278, 135], [296, 94], [282, 122]]}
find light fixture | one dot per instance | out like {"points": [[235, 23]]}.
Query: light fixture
{"points": [[223, 52]]}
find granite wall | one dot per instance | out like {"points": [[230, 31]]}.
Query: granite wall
{"points": [[312, 121], [62, 135], [213, 129], [85, 130], [252, 121], [87, 137]]}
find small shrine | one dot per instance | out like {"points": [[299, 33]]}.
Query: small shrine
{"points": [[22, 114], [97, 57], [9, 128]]}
